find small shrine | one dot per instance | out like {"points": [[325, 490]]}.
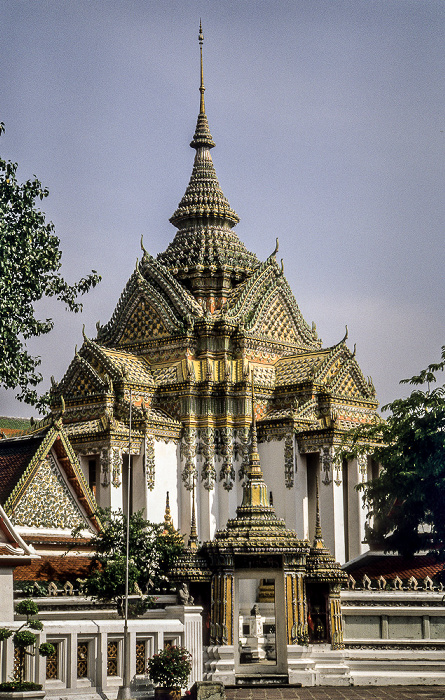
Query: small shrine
{"points": [[264, 589]]}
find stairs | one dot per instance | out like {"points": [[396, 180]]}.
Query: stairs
{"points": [[276, 680]]}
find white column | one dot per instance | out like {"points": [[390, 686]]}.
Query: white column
{"points": [[191, 617], [101, 661], [131, 655], [39, 661], [7, 659], [207, 507], [331, 505], [7, 595], [357, 473], [71, 658], [300, 497]]}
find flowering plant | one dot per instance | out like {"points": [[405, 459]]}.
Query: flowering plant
{"points": [[171, 667]]}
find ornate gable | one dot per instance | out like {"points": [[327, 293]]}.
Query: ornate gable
{"points": [[266, 306], [47, 501], [140, 296], [144, 323], [40, 465], [276, 320], [81, 379], [341, 373]]}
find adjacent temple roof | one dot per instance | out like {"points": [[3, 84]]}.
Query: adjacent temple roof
{"points": [[41, 482]]}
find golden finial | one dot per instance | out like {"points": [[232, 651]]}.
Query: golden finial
{"points": [[202, 88], [168, 522], [193, 539]]}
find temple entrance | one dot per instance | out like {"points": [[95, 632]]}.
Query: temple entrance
{"points": [[318, 618], [259, 623]]}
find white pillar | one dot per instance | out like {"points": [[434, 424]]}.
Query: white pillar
{"points": [[357, 473], [131, 655], [300, 497], [331, 505], [191, 617], [7, 595], [71, 657], [207, 507], [101, 661]]}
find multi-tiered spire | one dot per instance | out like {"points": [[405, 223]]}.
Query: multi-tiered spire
{"points": [[205, 243], [203, 198], [255, 502]]}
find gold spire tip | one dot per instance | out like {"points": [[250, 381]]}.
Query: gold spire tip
{"points": [[201, 88]]}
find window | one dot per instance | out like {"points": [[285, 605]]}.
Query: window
{"points": [[92, 479], [82, 659], [52, 664], [112, 658], [141, 656]]}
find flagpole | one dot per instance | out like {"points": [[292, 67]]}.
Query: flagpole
{"points": [[124, 691]]}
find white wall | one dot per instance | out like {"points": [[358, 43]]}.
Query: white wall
{"points": [[166, 479]]}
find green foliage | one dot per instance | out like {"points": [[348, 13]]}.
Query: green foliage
{"points": [[24, 639], [171, 667], [108, 581], [35, 625], [27, 607], [46, 649], [406, 501], [5, 633], [30, 260], [37, 589], [152, 552], [19, 686]]}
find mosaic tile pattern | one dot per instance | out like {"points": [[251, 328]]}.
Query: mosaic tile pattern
{"points": [[48, 501]]}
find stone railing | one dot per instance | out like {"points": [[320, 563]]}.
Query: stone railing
{"points": [[89, 652]]}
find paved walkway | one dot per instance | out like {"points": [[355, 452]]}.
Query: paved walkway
{"points": [[393, 692]]}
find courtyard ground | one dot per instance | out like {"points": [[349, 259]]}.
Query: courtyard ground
{"points": [[393, 692]]}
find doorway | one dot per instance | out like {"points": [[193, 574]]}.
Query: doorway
{"points": [[259, 623]]}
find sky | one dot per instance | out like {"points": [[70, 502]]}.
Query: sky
{"points": [[329, 123]]}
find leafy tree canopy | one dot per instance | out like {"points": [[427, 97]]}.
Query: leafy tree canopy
{"points": [[406, 501], [152, 548], [30, 260]]}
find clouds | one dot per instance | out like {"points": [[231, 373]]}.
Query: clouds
{"points": [[328, 120]]}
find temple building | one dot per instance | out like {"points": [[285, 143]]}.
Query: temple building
{"points": [[190, 328], [209, 402]]}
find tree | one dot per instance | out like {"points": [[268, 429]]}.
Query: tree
{"points": [[30, 260], [24, 639], [406, 502], [152, 549]]}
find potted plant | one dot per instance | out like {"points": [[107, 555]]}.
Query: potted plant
{"points": [[23, 639], [169, 670]]}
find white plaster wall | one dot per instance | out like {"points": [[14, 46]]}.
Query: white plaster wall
{"points": [[166, 479], [297, 502], [6, 595], [356, 513], [207, 511], [332, 519], [139, 484], [272, 464]]}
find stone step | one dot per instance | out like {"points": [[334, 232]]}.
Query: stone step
{"points": [[256, 680]]}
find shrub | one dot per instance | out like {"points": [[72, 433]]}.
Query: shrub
{"points": [[19, 686], [24, 638], [171, 667]]}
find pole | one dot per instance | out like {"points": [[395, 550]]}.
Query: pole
{"points": [[124, 691]]}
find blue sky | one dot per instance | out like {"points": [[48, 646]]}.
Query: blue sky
{"points": [[329, 123]]}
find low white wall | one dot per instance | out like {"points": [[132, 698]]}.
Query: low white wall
{"points": [[177, 624]]}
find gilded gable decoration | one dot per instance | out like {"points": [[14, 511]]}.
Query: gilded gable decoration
{"points": [[47, 502]]}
